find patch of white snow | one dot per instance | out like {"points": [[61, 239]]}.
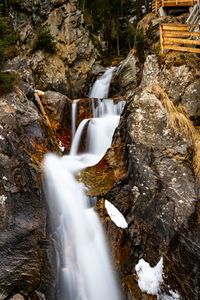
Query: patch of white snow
{"points": [[115, 215], [149, 278]]}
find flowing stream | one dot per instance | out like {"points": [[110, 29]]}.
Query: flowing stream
{"points": [[83, 264]]}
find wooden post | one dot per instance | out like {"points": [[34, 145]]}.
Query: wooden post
{"points": [[42, 109], [161, 40]]}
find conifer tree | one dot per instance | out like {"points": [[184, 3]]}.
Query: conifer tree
{"points": [[111, 17]]}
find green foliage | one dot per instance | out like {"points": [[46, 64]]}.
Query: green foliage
{"points": [[14, 2], [7, 36], [139, 43], [7, 82], [45, 41], [7, 40]]}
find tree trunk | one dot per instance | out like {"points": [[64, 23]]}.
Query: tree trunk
{"points": [[118, 46], [83, 5]]}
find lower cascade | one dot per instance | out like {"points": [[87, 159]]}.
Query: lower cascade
{"points": [[84, 268]]}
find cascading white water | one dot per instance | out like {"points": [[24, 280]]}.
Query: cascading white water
{"points": [[101, 86], [74, 110], [85, 271], [77, 137]]}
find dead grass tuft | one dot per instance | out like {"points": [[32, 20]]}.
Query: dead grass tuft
{"points": [[180, 122]]}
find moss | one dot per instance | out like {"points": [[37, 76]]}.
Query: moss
{"points": [[7, 38], [45, 41], [7, 82]]}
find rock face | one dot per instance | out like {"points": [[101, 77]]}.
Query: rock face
{"points": [[158, 193], [127, 77], [66, 71], [24, 138]]}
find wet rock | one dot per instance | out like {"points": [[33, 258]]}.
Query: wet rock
{"points": [[24, 139]]}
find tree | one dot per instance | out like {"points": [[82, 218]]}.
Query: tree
{"points": [[111, 18], [45, 41]]}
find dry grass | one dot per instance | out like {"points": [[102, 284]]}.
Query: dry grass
{"points": [[180, 122], [196, 157]]}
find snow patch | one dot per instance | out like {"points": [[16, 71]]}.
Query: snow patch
{"points": [[149, 278], [115, 215], [1, 137]]}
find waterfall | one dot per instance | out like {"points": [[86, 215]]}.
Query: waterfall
{"points": [[101, 86], [84, 266], [74, 110]]}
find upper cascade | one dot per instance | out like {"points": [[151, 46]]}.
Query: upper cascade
{"points": [[101, 86]]}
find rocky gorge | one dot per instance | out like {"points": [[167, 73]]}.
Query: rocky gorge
{"points": [[150, 172]]}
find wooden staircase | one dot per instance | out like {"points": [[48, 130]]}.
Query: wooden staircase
{"points": [[156, 4], [180, 37]]}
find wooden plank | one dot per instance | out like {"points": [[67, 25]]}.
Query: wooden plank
{"points": [[178, 2], [161, 40], [186, 4], [182, 49], [181, 34], [168, 41], [178, 25], [173, 28]]}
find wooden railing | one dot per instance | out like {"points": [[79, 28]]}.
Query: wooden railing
{"points": [[171, 3], [156, 4], [180, 37]]}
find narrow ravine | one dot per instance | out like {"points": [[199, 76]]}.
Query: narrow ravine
{"points": [[83, 263]]}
